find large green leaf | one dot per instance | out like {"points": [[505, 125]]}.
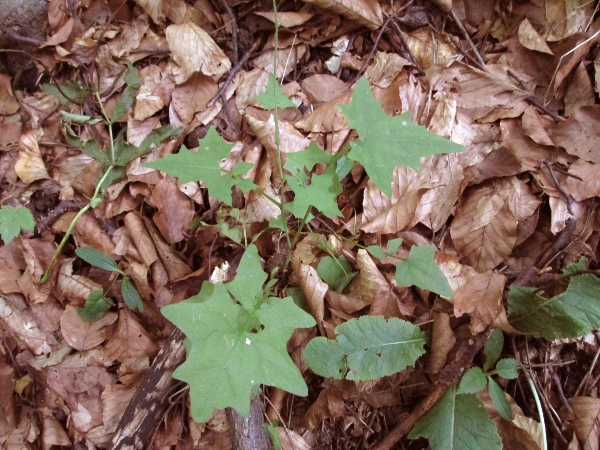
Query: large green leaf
{"points": [[571, 314], [202, 165], [458, 422], [13, 220], [386, 142], [366, 348], [234, 347], [421, 270], [273, 97]]}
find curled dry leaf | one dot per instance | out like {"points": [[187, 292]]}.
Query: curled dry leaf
{"points": [[195, 51], [30, 166], [8, 103], [531, 39], [84, 335], [442, 341], [484, 230], [314, 289], [24, 328], [365, 12], [154, 93], [587, 421], [130, 339], [76, 288], [481, 298], [175, 210]]}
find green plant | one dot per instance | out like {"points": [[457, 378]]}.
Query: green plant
{"points": [[13, 220], [113, 156]]}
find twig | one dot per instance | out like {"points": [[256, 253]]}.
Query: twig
{"points": [[478, 57], [407, 49], [560, 189], [234, 31], [232, 72], [533, 101], [448, 376], [63, 207], [377, 39]]}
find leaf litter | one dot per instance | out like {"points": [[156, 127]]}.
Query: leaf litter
{"points": [[527, 119]]}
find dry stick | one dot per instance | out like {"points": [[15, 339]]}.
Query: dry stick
{"points": [[560, 189], [407, 49], [63, 207], [234, 31], [478, 57], [449, 375], [377, 39]]}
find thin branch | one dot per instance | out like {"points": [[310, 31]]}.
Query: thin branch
{"points": [[478, 57]]}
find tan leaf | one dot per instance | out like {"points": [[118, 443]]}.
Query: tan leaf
{"points": [[579, 91], [530, 38], [84, 335], [193, 96], [195, 51], [153, 94], [154, 8], [287, 19], [323, 88], [382, 215], [8, 103], [579, 135], [589, 185], [130, 339], [76, 288], [141, 238], [314, 289], [174, 265], [175, 210], [365, 12], [10, 133], [115, 399], [587, 421], [481, 298], [29, 165], [442, 341], [535, 126], [53, 433], [484, 229], [23, 326]]}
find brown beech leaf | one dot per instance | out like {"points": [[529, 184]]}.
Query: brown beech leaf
{"points": [[84, 335], [314, 289], [365, 12], [75, 288], [130, 339], [484, 230], [579, 135], [8, 103], [536, 126], [194, 50], [481, 298], [173, 263], [141, 238], [193, 96], [23, 326], [589, 185], [53, 433], [175, 210], [442, 341], [531, 39], [153, 94], [587, 421], [30, 166]]}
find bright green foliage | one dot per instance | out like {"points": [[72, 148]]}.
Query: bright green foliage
{"points": [[499, 399], [13, 220], [236, 341], [458, 422], [97, 258], [95, 307], [336, 272], [72, 89], [322, 190], [493, 348], [104, 261], [571, 314], [130, 295], [386, 142], [421, 270], [366, 348], [473, 381], [392, 247], [203, 165], [133, 83], [507, 368], [274, 97]]}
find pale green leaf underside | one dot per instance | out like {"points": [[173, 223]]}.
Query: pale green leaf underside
{"points": [[273, 97], [386, 142], [366, 348], [458, 422], [571, 314], [421, 270], [12, 220], [227, 357]]}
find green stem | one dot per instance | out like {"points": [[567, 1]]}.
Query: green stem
{"points": [[278, 137], [92, 204], [295, 241], [538, 405]]}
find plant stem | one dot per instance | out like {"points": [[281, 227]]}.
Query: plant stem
{"points": [[538, 405], [278, 137], [295, 241], [91, 204]]}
